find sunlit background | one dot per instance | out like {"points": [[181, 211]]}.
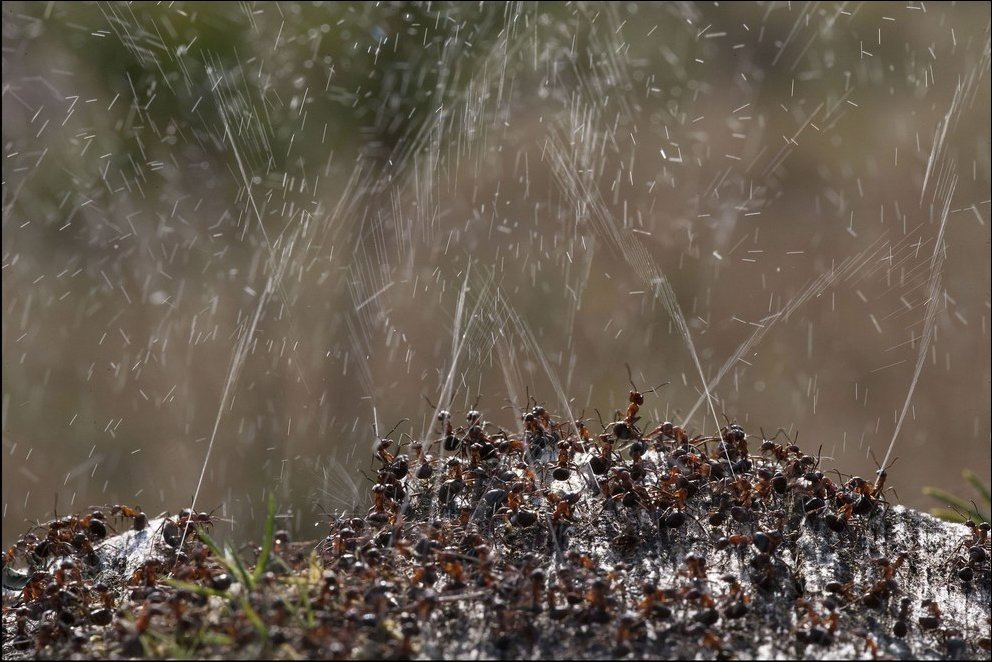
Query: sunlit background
{"points": [[256, 230]]}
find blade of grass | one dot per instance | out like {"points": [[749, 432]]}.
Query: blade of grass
{"points": [[270, 533], [978, 485], [948, 515], [228, 558], [951, 500], [242, 571], [204, 591], [255, 619]]}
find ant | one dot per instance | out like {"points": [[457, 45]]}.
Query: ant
{"points": [[821, 629], [602, 462], [901, 628], [383, 443], [582, 430], [636, 399], [739, 541], [562, 503], [136, 514], [977, 556], [979, 533], [184, 520], [886, 584], [695, 566], [933, 620], [880, 475], [781, 452], [563, 469], [668, 430], [449, 441], [425, 461], [734, 436]]}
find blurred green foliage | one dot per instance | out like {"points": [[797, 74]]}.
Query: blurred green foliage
{"points": [[958, 509]]}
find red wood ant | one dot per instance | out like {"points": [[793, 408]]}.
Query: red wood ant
{"points": [[140, 519], [626, 427], [564, 466]]}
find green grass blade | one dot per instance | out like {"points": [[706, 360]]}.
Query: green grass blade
{"points": [[229, 558], [256, 620], [948, 515], [949, 499], [204, 591], [247, 578], [270, 533], [224, 557], [976, 483]]}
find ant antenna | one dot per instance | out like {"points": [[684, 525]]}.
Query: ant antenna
{"points": [[402, 421], [600, 417], [630, 378]]}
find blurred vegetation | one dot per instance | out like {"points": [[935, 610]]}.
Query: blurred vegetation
{"points": [[958, 509], [160, 157]]}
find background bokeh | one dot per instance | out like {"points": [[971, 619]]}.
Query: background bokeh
{"points": [[262, 228]]}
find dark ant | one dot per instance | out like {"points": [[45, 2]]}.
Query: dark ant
{"points": [[668, 430], [562, 504], [739, 541], [932, 620], [450, 442], [425, 462], [695, 566], [977, 555], [564, 466], [819, 629], [900, 627], [600, 463], [781, 452], [886, 584], [598, 599], [140, 519], [174, 530], [636, 399]]}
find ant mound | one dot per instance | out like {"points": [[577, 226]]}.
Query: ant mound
{"points": [[551, 542]]}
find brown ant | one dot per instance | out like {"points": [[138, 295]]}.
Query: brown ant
{"points": [[601, 462], [383, 443], [781, 452], [979, 532], [739, 541], [564, 466], [932, 620], [886, 584], [668, 430], [819, 629], [562, 504], [636, 399], [695, 566], [582, 430], [140, 519]]}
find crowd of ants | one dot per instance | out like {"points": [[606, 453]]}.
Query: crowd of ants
{"points": [[70, 580], [735, 515], [545, 524]]}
